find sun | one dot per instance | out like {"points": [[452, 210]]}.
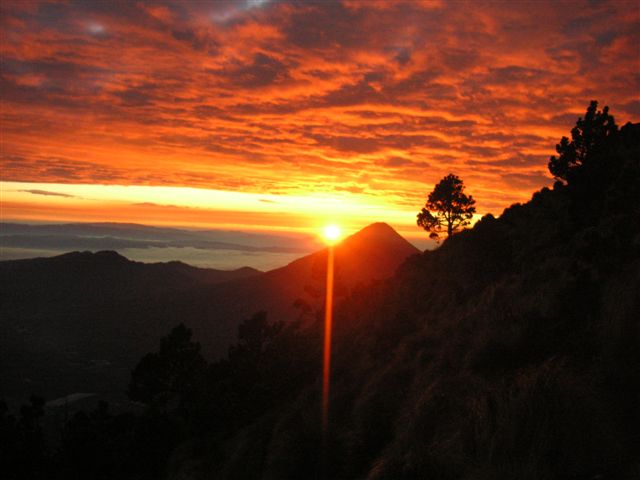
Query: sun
{"points": [[331, 234]]}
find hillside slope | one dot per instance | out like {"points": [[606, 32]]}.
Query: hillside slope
{"points": [[513, 351]]}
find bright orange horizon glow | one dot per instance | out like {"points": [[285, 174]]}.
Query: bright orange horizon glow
{"points": [[198, 207]]}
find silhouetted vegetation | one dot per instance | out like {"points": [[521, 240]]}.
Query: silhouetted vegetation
{"points": [[509, 352], [170, 376], [186, 398], [453, 208], [593, 137], [23, 453]]}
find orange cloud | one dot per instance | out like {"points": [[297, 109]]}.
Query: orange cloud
{"points": [[379, 99]]}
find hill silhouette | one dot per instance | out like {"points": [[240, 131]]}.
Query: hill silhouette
{"points": [[373, 253], [76, 276], [78, 322]]}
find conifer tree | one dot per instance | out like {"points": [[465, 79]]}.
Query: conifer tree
{"points": [[448, 208]]}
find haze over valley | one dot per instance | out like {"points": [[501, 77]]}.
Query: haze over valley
{"points": [[220, 249]]}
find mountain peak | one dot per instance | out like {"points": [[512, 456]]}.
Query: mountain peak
{"points": [[375, 252], [102, 256], [378, 228], [381, 234]]}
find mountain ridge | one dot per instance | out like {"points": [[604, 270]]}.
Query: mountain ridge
{"points": [[133, 303]]}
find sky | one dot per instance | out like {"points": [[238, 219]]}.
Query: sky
{"points": [[282, 116]]}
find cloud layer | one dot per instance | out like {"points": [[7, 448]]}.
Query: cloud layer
{"points": [[354, 98]]}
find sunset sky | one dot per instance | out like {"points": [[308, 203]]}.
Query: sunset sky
{"points": [[274, 115]]}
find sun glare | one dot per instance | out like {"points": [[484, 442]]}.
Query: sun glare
{"points": [[331, 234]]}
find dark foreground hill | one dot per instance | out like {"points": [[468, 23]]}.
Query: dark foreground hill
{"points": [[80, 321], [513, 351]]}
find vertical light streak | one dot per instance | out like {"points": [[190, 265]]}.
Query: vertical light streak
{"points": [[326, 364]]}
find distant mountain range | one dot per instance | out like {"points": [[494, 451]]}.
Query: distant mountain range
{"points": [[80, 321], [207, 248]]}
